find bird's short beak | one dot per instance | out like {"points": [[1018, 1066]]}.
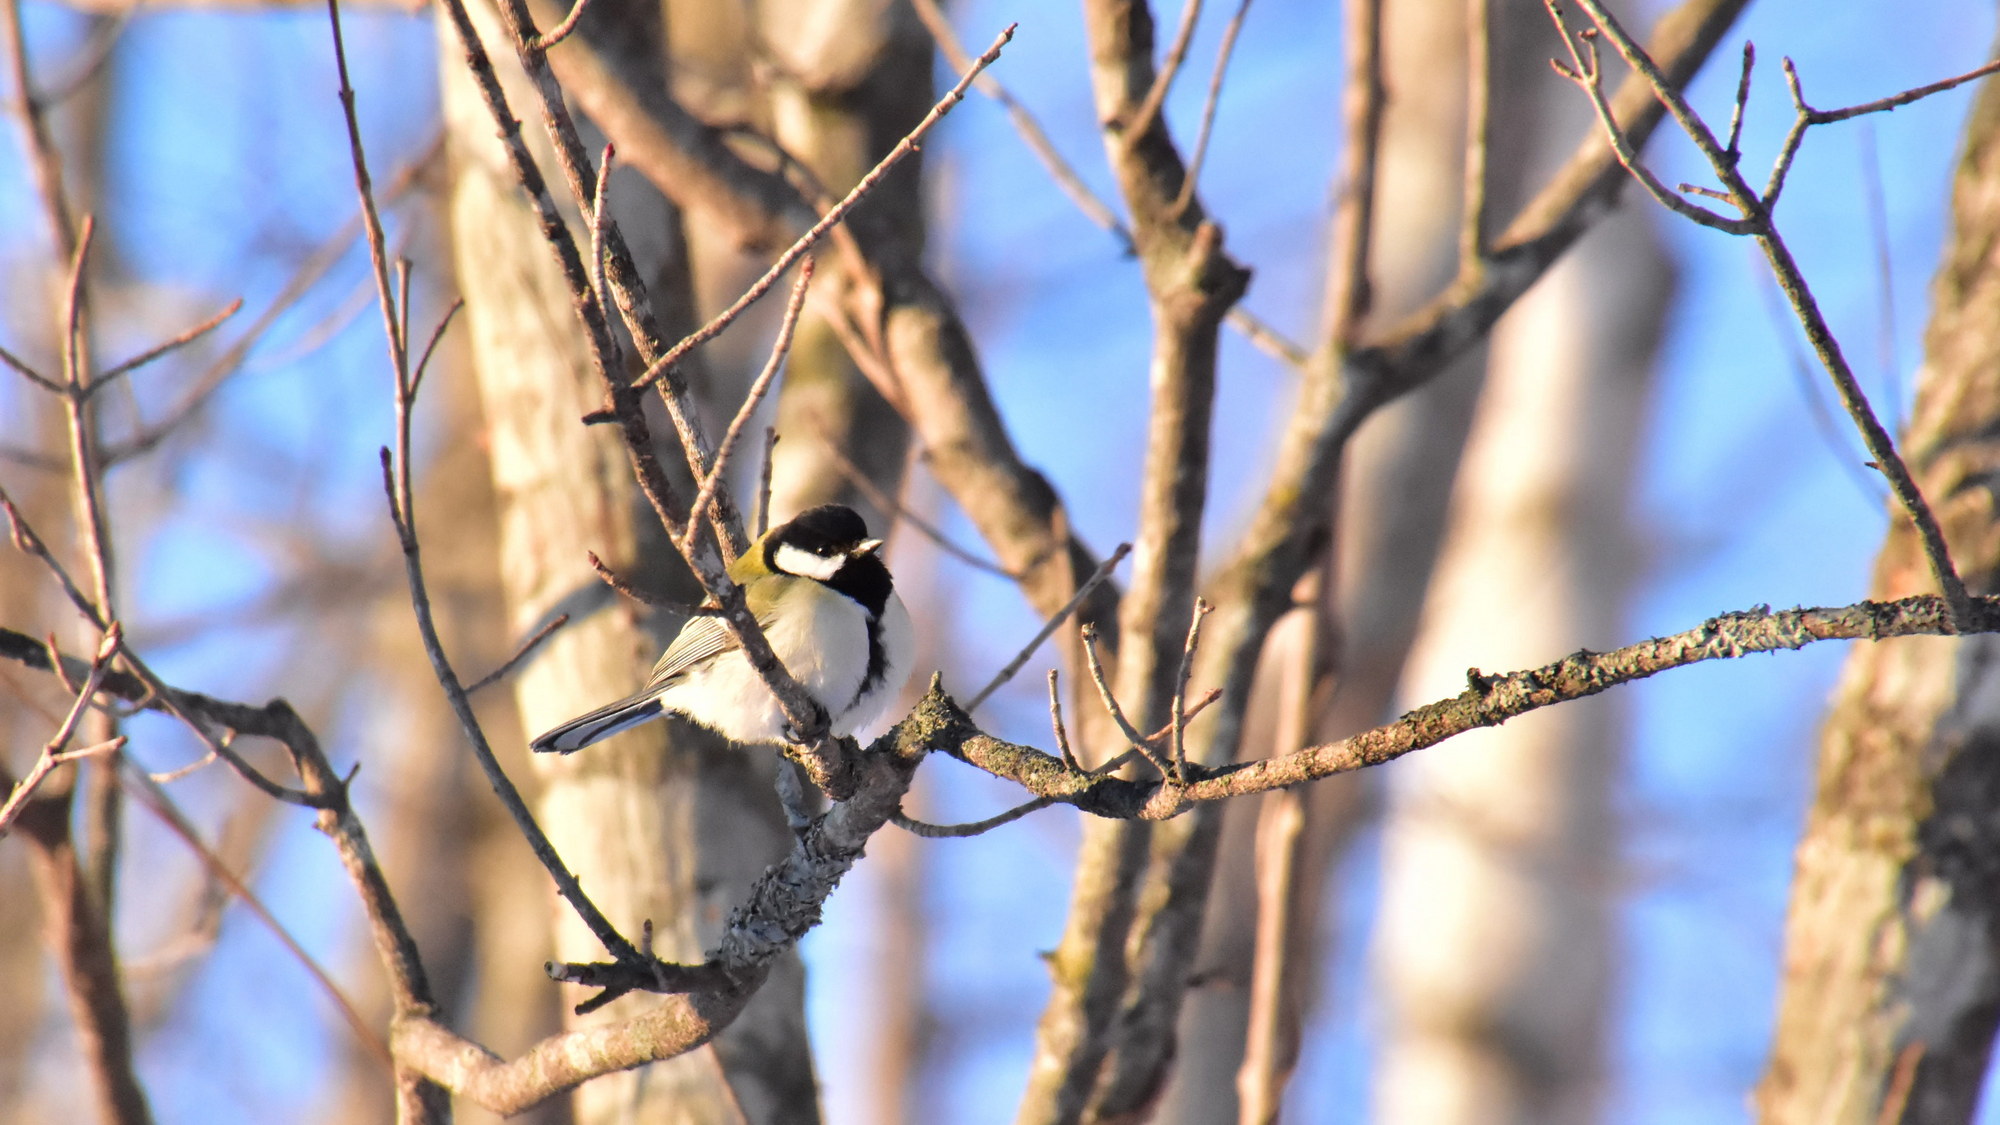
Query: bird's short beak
{"points": [[867, 547]]}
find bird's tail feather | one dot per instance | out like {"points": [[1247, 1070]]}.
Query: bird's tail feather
{"points": [[598, 725]]}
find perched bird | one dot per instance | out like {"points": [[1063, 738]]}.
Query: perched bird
{"points": [[828, 607]]}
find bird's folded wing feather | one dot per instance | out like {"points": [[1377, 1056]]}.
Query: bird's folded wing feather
{"points": [[699, 641]]}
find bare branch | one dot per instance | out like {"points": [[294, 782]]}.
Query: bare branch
{"points": [[833, 215], [1156, 96], [903, 513], [52, 752], [561, 31], [1083, 592], [1487, 701], [1349, 292], [528, 646], [158, 350], [758, 388], [1757, 216], [1179, 707], [1223, 52]]}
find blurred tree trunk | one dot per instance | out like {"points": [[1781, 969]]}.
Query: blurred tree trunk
{"points": [[1398, 479], [662, 823], [1892, 944], [1495, 921], [1500, 869]]}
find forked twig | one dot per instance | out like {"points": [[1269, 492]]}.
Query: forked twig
{"points": [[1757, 221], [396, 484]]}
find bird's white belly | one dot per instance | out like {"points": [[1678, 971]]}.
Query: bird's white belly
{"points": [[825, 650]]}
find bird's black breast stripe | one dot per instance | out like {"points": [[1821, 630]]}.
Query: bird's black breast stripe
{"points": [[878, 660]]}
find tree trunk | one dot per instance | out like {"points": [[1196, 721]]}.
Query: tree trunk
{"points": [[1892, 971], [1500, 874]]}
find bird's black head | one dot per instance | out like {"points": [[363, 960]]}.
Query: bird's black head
{"points": [[830, 543]]}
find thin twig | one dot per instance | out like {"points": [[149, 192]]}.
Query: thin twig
{"points": [[1030, 130], [1733, 148], [1260, 333], [599, 221], [29, 373], [520, 654], [1056, 727], [1179, 707], [1478, 129], [1587, 73], [1049, 627], [931, 831], [503, 786], [1132, 736], [160, 805], [1880, 105], [1877, 206], [909, 144], [51, 755], [168, 777], [617, 582], [1156, 95], [371, 219], [758, 388], [897, 510], [153, 353], [1199, 153], [1349, 290], [430, 345], [770, 462], [561, 31]]}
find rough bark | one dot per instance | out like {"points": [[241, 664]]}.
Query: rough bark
{"points": [[1892, 945]]}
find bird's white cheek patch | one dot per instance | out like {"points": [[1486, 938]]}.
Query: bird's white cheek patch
{"points": [[805, 564]]}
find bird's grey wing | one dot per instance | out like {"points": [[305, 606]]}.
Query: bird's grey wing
{"points": [[699, 641]]}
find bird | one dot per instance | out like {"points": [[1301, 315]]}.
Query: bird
{"points": [[818, 587]]}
